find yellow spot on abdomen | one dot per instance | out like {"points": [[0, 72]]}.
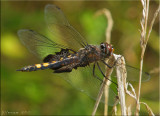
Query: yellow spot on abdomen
{"points": [[45, 64], [53, 61], [61, 59], [69, 56], [38, 65]]}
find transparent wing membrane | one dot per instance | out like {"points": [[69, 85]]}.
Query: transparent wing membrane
{"points": [[83, 80], [60, 27], [133, 74], [38, 44], [54, 15]]}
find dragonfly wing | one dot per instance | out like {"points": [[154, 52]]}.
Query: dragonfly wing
{"points": [[133, 74], [38, 44], [83, 80], [62, 31], [53, 14]]}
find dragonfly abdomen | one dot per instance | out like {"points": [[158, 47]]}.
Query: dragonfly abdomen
{"points": [[52, 65], [36, 67]]}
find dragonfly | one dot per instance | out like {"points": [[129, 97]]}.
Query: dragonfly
{"points": [[69, 55]]}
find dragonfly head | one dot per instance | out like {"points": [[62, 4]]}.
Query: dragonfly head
{"points": [[106, 49]]}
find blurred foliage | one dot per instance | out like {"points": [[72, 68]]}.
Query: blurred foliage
{"points": [[40, 92]]}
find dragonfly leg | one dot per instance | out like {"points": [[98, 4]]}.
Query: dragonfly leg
{"points": [[96, 75], [104, 74], [108, 64]]}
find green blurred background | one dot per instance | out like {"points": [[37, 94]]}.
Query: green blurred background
{"points": [[38, 93]]}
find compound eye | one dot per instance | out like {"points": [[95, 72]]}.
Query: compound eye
{"points": [[102, 46]]}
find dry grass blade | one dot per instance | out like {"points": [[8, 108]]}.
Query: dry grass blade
{"points": [[144, 20], [114, 111], [129, 112], [152, 22], [121, 77], [111, 61], [150, 112], [144, 39], [133, 94], [108, 15]]}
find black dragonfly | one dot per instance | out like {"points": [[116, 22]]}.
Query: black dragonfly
{"points": [[70, 56]]}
